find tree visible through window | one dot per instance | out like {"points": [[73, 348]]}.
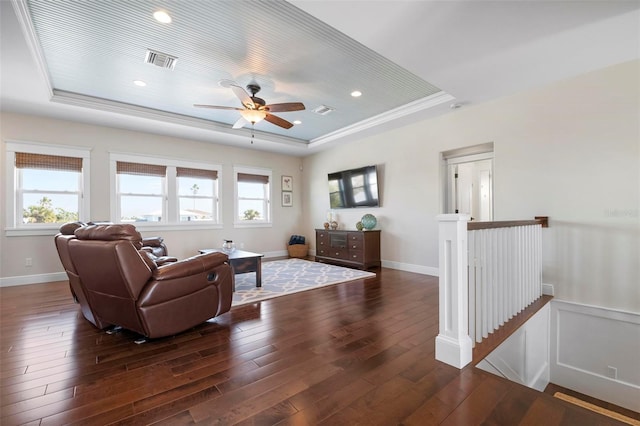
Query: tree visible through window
{"points": [[164, 191], [252, 196], [197, 193], [48, 188]]}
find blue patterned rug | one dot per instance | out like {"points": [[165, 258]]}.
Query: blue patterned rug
{"points": [[282, 277]]}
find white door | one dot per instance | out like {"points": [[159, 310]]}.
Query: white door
{"points": [[470, 187]]}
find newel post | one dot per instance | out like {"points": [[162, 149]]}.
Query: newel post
{"points": [[453, 344]]}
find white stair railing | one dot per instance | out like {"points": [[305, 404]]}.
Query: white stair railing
{"points": [[505, 274], [489, 272]]}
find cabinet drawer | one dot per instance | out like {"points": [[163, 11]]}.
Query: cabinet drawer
{"points": [[355, 241], [337, 253], [322, 239], [356, 256]]}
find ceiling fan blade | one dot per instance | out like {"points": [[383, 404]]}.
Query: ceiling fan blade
{"points": [[243, 96], [273, 119], [217, 107], [287, 106], [240, 123]]}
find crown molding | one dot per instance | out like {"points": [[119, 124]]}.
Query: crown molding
{"points": [[401, 111], [29, 31], [104, 105]]}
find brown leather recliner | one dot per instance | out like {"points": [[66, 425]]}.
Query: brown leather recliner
{"points": [[155, 246], [62, 244], [124, 287]]}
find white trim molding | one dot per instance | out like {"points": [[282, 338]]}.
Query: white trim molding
{"points": [[410, 267], [33, 279]]}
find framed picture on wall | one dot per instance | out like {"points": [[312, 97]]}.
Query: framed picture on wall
{"points": [[287, 199], [287, 183]]}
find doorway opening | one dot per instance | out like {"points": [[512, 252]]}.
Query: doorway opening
{"points": [[468, 181]]}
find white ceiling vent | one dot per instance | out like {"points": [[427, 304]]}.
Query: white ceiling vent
{"points": [[160, 59], [323, 110]]}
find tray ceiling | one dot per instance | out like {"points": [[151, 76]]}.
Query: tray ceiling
{"points": [[412, 60], [95, 50]]}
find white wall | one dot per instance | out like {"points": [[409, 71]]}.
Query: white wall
{"points": [[102, 140], [570, 151]]}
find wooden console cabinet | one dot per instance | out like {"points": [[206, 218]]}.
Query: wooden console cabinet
{"points": [[358, 249]]}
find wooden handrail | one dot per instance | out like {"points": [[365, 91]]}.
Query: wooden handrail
{"points": [[542, 220]]}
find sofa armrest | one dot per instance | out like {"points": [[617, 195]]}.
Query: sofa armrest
{"points": [[187, 277], [190, 266], [152, 241]]}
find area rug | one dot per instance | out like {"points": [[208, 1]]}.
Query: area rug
{"points": [[282, 277]]}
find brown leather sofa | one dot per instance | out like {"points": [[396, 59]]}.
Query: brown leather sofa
{"points": [[117, 283]]}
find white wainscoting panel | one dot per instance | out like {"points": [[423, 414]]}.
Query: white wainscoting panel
{"points": [[596, 351], [524, 356]]}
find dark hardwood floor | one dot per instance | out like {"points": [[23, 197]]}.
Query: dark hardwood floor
{"points": [[354, 353]]}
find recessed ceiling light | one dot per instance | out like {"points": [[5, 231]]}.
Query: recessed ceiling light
{"points": [[297, 122], [162, 16], [356, 93], [139, 83]]}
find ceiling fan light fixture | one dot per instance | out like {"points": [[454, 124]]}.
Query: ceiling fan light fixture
{"points": [[253, 116]]}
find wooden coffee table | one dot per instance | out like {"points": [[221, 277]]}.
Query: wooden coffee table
{"points": [[242, 262]]}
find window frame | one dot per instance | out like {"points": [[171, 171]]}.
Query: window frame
{"points": [[171, 201], [14, 225], [163, 195], [267, 222], [215, 198]]}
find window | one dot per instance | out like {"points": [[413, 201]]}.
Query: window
{"points": [[156, 191], [197, 192], [141, 192], [253, 193], [47, 184]]}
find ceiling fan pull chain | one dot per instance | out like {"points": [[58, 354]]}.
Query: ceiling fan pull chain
{"points": [[251, 133]]}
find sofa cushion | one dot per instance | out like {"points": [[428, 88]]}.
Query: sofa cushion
{"points": [[70, 227], [124, 231]]}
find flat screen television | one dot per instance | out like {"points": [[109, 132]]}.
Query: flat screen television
{"points": [[354, 188]]}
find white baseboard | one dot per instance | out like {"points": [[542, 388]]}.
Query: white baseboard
{"points": [[278, 253], [594, 352], [547, 289], [408, 267], [32, 279]]}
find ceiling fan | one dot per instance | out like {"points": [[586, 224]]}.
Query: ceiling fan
{"points": [[255, 109]]}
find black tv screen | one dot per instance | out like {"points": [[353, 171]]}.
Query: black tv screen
{"points": [[354, 188]]}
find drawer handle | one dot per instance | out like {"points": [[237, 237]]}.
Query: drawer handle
{"points": [[321, 243], [354, 256], [354, 246], [337, 254]]}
